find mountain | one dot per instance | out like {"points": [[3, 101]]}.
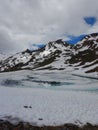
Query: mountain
{"points": [[86, 53], [57, 55], [48, 57]]}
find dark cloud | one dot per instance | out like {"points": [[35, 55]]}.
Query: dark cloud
{"points": [[5, 41], [34, 21]]}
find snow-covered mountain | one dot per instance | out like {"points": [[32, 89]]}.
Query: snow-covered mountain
{"points": [[57, 55], [52, 56], [86, 53]]}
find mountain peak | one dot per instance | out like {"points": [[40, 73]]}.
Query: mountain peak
{"points": [[27, 51], [58, 44], [88, 42], [59, 41], [57, 55]]}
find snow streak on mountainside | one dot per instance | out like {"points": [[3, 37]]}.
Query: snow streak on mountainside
{"points": [[45, 57], [57, 55], [86, 54]]}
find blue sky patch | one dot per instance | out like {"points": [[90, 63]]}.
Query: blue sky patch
{"points": [[90, 20], [40, 45], [75, 39]]}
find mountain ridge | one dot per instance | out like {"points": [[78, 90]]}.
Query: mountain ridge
{"points": [[57, 55]]}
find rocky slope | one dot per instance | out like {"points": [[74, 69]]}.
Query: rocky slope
{"points": [[86, 53], [57, 55], [49, 56]]}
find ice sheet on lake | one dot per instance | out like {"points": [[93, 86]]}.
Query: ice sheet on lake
{"points": [[33, 99]]}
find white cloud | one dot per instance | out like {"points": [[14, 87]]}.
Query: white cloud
{"points": [[36, 21]]}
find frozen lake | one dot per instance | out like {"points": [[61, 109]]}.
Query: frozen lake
{"points": [[55, 80], [48, 98]]}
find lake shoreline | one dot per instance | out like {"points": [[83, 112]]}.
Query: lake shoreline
{"points": [[27, 126]]}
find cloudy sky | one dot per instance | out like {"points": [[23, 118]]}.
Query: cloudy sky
{"points": [[27, 22]]}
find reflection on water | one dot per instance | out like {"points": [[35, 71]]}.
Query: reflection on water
{"points": [[50, 80]]}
